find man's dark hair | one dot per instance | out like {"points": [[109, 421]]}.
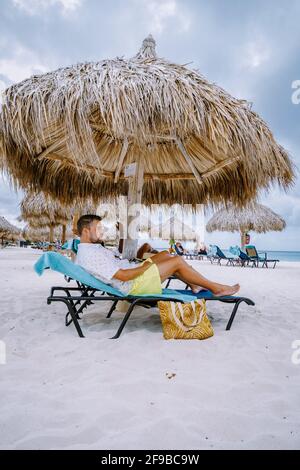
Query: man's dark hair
{"points": [[85, 221]]}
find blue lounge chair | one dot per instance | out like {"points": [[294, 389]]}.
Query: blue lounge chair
{"points": [[242, 257], [256, 255], [78, 298], [216, 256], [71, 245]]}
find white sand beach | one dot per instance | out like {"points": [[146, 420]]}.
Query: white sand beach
{"points": [[239, 389]]}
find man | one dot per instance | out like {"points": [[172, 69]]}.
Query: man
{"points": [[145, 278]]}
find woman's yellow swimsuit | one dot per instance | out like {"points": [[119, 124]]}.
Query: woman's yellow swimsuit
{"points": [[147, 283]]}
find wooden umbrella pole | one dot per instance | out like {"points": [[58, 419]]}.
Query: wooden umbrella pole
{"points": [[63, 236], [135, 189], [243, 240], [75, 220], [51, 235]]}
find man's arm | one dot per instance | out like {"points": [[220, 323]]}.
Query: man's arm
{"points": [[132, 273]]}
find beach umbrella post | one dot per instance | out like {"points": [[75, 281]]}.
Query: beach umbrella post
{"points": [[51, 234], [135, 176], [74, 222], [244, 237], [63, 234]]}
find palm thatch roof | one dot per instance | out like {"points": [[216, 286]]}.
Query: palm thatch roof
{"points": [[255, 217], [71, 133]]}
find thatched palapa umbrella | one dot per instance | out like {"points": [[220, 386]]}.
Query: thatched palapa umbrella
{"points": [[40, 233], [253, 217], [72, 133], [7, 230], [42, 211]]}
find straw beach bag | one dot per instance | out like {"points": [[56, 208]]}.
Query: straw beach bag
{"points": [[185, 321]]}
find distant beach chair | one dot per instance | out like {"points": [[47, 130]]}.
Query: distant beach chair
{"points": [[216, 255], [256, 255], [71, 245], [78, 298], [243, 259], [193, 255]]}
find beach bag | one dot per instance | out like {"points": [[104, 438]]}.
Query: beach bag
{"points": [[185, 321]]}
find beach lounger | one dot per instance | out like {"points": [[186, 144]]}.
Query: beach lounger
{"points": [[242, 258], [256, 255], [90, 290], [193, 256], [217, 256]]}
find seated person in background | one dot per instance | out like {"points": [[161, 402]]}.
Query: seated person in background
{"points": [[179, 249], [202, 250], [129, 278], [145, 248]]}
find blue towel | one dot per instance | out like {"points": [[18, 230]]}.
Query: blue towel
{"points": [[63, 265]]}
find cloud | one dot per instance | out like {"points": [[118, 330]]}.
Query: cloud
{"points": [[256, 53], [36, 7], [9, 202], [21, 64], [161, 11]]}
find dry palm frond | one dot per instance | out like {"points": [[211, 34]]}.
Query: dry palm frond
{"points": [[71, 132], [255, 217]]}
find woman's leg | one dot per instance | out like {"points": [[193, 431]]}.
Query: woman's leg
{"points": [[158, 257], [165, 255], [176, 265]]}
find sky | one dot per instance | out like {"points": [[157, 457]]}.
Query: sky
{"points": [[249, 48]]}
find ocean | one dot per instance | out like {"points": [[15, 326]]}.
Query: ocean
{"points": [[281, 255], [284, 255]]}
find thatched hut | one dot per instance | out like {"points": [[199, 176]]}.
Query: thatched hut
{"points": [[73, 132], [253, 217], [42, 211], [39, 233], [8, 231]]}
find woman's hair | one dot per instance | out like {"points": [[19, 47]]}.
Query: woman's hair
{"points": [[145, 248], [85, 221]]}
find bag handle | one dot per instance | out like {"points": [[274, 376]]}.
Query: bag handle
{"points": [[181, 310], [182, 324]]}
